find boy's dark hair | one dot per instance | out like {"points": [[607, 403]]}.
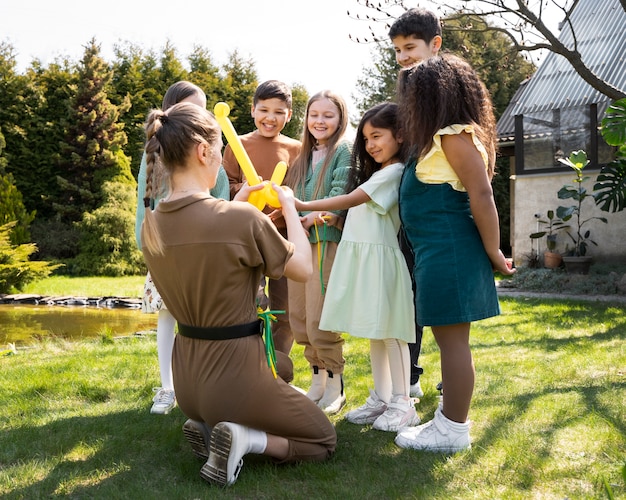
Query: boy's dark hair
{"points": [[273, 89], [420, 23]]}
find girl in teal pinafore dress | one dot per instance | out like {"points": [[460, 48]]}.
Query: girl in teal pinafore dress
{"points": [[450, 219]]}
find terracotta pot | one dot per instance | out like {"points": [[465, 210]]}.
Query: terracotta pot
{"points": [[552, 260], [577, 265]]}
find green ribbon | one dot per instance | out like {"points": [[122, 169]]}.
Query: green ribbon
{"points": [[270, 352]]}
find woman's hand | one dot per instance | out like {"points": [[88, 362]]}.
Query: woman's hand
{"points": [[244, 193]]}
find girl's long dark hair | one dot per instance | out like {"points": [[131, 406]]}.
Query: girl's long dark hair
{"points": [[442, 91], [384, 116]]}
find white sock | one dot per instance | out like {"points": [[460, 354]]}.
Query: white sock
{"points": [[258, 441], [165, 344], [399, 366], [380, 369]]}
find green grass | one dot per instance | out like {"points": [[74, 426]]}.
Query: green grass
{"points": [[58, 286], [548, 420]]}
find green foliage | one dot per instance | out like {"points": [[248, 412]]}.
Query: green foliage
{"points": [[92, 151], [299, 99], [603, 279], [107, 245], [16, 270], [55, 240], [11, 202], [577, 161], [553, 224], [71, 127], [610, 185], [378, 82], [240, 83]]}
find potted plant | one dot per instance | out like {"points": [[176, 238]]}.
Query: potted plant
{"points": [[551, 259], [577, 260]]}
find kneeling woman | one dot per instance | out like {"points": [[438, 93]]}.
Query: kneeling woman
{"points": [[206, 257]]}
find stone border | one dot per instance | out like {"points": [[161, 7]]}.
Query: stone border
{"points": [[106, 302]]}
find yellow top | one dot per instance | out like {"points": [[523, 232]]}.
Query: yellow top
{"points": [[434, 168]]}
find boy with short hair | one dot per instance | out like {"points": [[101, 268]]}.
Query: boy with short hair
{"points": [[415, 35], [266, 146]]}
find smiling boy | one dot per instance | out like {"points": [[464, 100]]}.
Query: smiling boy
{"points": [[266, 146], [415, 35]]}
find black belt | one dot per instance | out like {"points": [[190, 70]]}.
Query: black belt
{"points": [[220, 332]]}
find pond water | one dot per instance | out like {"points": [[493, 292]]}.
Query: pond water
{"points": [[23, 324]]}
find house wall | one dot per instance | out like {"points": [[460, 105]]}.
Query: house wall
{"points": [[536, 194]]}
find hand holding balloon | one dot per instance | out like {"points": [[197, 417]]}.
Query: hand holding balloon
{"points": [[267, 195]]}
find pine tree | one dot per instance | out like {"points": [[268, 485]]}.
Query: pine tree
{"points": [[11, 203], [92, 151]]}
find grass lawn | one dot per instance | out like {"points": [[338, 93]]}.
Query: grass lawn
{"points": [[548, 420]]}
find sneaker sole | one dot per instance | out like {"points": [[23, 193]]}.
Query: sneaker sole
{"points": [[161, 411], [195, 438], [332, 409], [407, 444], [397, 428], [362, 421], [215, 470]]}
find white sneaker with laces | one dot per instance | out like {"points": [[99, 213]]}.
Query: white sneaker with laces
{"points": [[229, 443], [373, 408], [415, 390], [400, 413], [439, 435], [164, 401]]}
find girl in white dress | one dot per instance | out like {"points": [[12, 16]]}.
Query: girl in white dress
{"points": [[369, 291]]}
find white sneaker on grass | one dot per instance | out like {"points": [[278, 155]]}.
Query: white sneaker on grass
{"points": [[415, 390], [373, 408], [439, 435], [164, 401], [229, 443], [400, 413], [198, 434]]}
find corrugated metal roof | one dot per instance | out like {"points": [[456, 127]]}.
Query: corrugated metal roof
{"points": [[600, 29]]}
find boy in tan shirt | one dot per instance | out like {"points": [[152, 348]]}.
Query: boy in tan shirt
{"points": [[266, 146]]}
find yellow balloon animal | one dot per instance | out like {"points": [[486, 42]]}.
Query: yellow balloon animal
{"points": [[267, 195]]}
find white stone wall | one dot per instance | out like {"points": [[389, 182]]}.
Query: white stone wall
{"points": [[536, 194]]}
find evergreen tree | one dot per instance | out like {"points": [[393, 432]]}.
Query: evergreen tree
{"points": [[16, 269], [129, 86], [107, 245], [41, 151], [240, 83], [299, 98], [92, 151], [11, 204], [206, 75]]}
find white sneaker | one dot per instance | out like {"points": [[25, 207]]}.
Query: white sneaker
{"points": [[334, 398], [198, 435], [373, 408], [164, 401], [400, 413], [229, 443], [439, 435], [415, 390]]}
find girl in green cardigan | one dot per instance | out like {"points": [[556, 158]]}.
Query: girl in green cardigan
{"points": [[320, 171]]}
